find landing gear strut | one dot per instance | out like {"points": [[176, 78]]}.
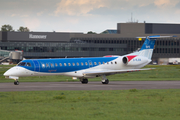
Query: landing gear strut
{"points": [[16, 82], [84, 81], [104, 79]]}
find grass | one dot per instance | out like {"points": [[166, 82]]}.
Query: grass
{"points": [[80, 105], [162, 72]]}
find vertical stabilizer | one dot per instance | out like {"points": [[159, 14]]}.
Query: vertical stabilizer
{"points": [[148, 46]]}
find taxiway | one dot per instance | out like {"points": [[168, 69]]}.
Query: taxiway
{"points": [[113, 85]]}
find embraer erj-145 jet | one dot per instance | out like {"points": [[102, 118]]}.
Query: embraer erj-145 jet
{"points": [[84, 68]]}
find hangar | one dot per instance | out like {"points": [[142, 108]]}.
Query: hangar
{"points": [[110, 42]]}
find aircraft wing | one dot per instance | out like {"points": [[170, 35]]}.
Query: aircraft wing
{"points": [[114, 71]]}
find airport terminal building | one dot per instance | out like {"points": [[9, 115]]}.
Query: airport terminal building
{"points": [[111, 42]]}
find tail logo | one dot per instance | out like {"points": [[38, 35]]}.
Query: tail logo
{"points": [[148, 47]]}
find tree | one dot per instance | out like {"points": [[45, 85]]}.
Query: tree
{"points": [[90, 32], [105, 32], [23, 29], [6, 28]]}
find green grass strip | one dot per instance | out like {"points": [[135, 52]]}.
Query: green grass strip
{"points": [[86, 105]]}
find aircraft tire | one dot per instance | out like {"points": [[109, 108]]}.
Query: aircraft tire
{"points": [[16, 82], [84, 81], [106, 82]]}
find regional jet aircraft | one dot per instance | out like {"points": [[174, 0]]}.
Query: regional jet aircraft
{"points": [[84, 68]]}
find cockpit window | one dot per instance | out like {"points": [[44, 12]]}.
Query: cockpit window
{"points": [[28, 64], [22, 64]]}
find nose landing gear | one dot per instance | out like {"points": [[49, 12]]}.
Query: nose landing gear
{"points": [[16, 82]]}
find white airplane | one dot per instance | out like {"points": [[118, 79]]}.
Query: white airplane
{"points": [[84, 68]]}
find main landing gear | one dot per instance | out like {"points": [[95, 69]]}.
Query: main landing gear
{"points": [[16, 82], [84, 81], [104, 79]]}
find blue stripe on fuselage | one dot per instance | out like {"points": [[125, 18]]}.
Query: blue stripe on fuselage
{"points": [[53, 65]]}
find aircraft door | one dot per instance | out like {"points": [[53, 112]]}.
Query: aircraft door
{"points": [[90, 63], [36, 65]]}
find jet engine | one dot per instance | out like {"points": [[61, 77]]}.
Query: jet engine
{"points": [[125, 60], [134, 60]]}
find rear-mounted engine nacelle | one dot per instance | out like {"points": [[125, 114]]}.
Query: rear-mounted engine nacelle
{"points": [[125, 60], [134, 60]]}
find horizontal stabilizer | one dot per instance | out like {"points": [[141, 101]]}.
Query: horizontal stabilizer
{"points": [[157, 36], [113, 71]]}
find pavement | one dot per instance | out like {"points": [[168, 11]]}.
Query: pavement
{"points": [[113, 85]]}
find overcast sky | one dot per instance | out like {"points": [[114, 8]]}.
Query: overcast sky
{"points": [[85, 15]]}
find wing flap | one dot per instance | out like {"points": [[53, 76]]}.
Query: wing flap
{"points": [[114, 71]]}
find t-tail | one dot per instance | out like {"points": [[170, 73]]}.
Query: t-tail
{"points": [[148, 46]]}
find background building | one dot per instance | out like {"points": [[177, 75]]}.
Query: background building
{"points": [[110, 42]]}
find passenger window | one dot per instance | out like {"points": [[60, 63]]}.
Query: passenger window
{"points": [[52, 65], [90, 63], [60, 64], [77, 64], [73, 64], [86, 63], [69, 64], [99, 63], [56, 64], [47, 65], [111, 62], [107, 62], [28, 64], [95, 63], [115, 62], [103, 62], [64, 64], [82, 64]]}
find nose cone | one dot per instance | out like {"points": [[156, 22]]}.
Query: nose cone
{"points": [[6, 73], [9, 72], [14, 71]]}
